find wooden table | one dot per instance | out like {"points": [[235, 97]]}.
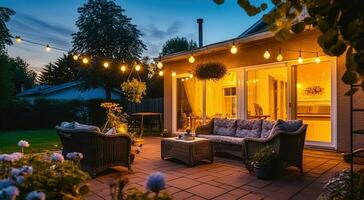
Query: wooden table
{"points": [[148, 114]]}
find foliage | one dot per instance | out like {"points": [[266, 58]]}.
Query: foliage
{"points": [[340, 24], [23, 76], [7, 86], [64, 69], [5, 37], [211, 70], [56, 178], [134, 90], [155, 183], [115, 117], [177, 44], [265, 156], [338, 187], [106, 34]]}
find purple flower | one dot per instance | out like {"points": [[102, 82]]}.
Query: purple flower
{"points": [[156, 182], [74, 156], [23, 143], [35, 195], [27, 170], [9, 193], [15, 172], [57, 157], [14, 157], [19, 180], [4, 183]]}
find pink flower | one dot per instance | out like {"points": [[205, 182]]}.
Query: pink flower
{"points": [[23, 144], [57, 157]]}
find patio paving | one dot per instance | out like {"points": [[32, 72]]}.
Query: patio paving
{"points": [[225, 179]]}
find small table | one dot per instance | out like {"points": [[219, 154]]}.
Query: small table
{"points": [[142, 114], [187, 151]]}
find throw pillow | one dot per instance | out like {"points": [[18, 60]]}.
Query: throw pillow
{"points": [[267, 127], [225, 127], [86, 127], [248, 128]]}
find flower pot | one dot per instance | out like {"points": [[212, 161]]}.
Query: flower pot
{"points": [[267, 172]]}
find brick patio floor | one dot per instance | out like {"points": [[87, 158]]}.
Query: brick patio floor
{"points": [[224, 179]]}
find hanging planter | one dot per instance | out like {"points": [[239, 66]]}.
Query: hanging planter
{"points": [[134, 90], [210, 71]]}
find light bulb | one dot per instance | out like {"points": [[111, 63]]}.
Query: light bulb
{"points": [[234, 49], [182, 79], [75, 57], [279, 57], [174, 74], [48, 48], [123, 68], [18, 39], [186, 79], [160, 65], [160, 73], [317, 59], [106, 64], [191, 75], [191, 59], [266, 54], [85, 60], [300, 60], [137, 67]]}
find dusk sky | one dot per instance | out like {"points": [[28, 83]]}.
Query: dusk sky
{"points": [[53, 22]]}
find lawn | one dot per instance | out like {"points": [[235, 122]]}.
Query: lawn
{"points": [[44, 139]]}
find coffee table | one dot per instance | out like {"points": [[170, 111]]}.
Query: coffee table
{"points": [[187, 151]]}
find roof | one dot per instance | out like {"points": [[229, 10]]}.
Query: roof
{"points": [[47, 89], [258, 27]]}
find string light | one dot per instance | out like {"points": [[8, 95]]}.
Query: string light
{"points": [[48, 48], [75, 57], [279, 56], [106, 64], [300, 59], [191, 59], [137, 67], [18, 39], [266, 54], [233, 48], [186, 79], [174, 74], [182, 79], [160, 73], [160, 65], [85, 60], [191, 75], [317, 59], [123, 68]]}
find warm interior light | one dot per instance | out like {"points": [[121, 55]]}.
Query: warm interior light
{"points": [[317, 59], [106, 64], [182, 79], [48, 48], [137, 67], [160, 73], [123, 68], [18, 39], [160, 65], [191, 75], [75, 57], [174, 74], [234, 49], [186, 79], [191, 59], [300, 59], [279, 57], [266, 54], [85, 60]]}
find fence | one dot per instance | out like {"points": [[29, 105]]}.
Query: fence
{"points": [[147, 105]]}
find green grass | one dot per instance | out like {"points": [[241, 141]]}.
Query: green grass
{"points": [[44, 139]]}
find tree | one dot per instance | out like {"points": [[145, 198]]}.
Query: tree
{"points": [[7, 86], [106, 34], [64, 69], [23, 76], [177, 44], [5, 37], [341, 24]]}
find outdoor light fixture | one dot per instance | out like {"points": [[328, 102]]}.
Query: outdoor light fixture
{"points": [[234, 49], [18, 39], [75, 57], [300, 59], [279, 56], [85, 60], [191, 59], [317, 59], [137, 67], [174, 74], [160, 73], [123, 68], [48, 48], [266, 54], [160, 65], [106, 64]]}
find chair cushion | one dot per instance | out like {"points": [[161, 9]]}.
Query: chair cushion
{"points": [[225, 127], [248, 128], [267, 127], [287, 125], [84, 127], [223, 139]]}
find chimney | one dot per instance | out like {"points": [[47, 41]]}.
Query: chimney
{"points": [[200, 41]]}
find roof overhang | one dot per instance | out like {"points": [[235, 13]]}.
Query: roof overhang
{"points": [[216, 46]]}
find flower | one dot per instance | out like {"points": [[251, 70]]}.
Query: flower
{"points": [[19, 180], [35, 195], [27, 170], [14, 157], [23, 143], [15, 172], [10, 192], [156, 182], [57, 157], [4, 183], [74, 156]]}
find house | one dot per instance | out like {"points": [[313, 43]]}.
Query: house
{"points": [[259, 86], [66, 91]]}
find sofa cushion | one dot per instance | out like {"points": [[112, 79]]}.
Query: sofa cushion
{"points": [[84, 127], [267, 127], [225, 127], [287, 125], [223, 139], [248, 128]]}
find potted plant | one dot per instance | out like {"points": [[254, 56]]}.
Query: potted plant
{"points": [[134, 90], [266, 163]]}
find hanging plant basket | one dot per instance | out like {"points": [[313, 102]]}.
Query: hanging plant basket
{"points": [[134, 90], [210, 71]]}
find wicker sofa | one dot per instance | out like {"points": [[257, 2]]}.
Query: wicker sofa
{"points": [[242, 138], [100, 151]]}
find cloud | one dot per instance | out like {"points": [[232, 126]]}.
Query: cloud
{"points": [[156, 33]]}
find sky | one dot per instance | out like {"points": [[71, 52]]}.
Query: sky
{"points": [[53, 21]]}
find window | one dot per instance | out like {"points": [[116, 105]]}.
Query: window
{"points": [[230, 102]]}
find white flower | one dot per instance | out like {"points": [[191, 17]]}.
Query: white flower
{"points": [[35, 195], [10, 192], [23, 143], [57, 157], [28, 170], [74, 156]]}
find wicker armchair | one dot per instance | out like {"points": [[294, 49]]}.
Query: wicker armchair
{"points": [[289, 146], [100, 151]]}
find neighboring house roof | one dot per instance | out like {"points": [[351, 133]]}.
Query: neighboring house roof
{"points": [[39, 90]]}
